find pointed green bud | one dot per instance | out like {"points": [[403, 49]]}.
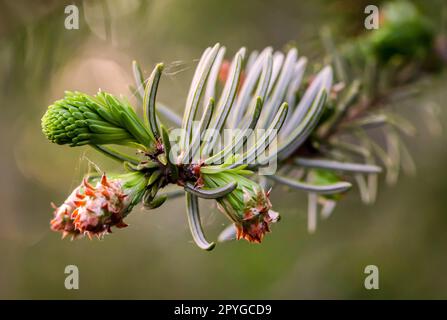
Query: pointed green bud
{"points": [[80, 119]]}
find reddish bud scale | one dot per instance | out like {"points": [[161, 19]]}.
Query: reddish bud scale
{"points": [[92, 210], [257, 217], [225, 71]]}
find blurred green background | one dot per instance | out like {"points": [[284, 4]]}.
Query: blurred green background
{"points": [[404, 233]]}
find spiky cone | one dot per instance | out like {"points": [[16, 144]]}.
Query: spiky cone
{"points": [[79, 119], [248, 206], [62, 221], [99, 204]]}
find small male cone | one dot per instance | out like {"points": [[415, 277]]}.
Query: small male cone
{"points": [[248, 206], [98, 204]]}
